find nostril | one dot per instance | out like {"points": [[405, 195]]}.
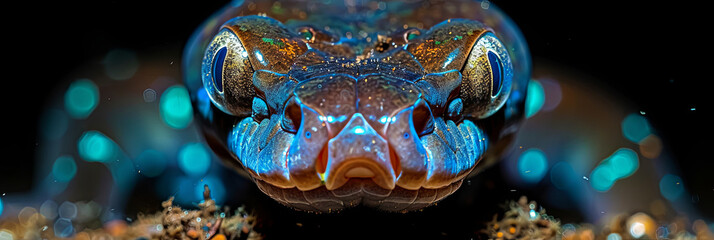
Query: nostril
{"points": [[292, 116], [455, 110], [422, 119]]}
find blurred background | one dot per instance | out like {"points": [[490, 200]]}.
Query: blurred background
{"points": [[623, 86]]}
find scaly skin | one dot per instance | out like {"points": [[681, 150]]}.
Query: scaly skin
{"points": [[322, 122]]}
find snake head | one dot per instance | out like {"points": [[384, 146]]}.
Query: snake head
{"points": [[322, 124]]}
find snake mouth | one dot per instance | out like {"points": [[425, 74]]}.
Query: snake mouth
{"points": [[361, 168], [389, 160]]}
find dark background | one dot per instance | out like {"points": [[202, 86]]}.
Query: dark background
{"points": [[658, 55]]}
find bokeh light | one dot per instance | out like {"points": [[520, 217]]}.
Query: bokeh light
{"points": [[1, 206], [635, 127], [535, 98], [120, 64], [175, 107], [53, 186], [194, 159], [6, 235], [94, 146], [671, 187], [48, 209], [151, 163], [203, 103], [614, 236], [602, 178], [568, 230], [64, 169], [662, 232], [553, 94], [563, 176], [149, 95], [63, 228], [67, 210], [27, 216], [81, 98], [641, 225], [532, 165], [637, 230], [651, 146], [623, 162], [54, 123]]}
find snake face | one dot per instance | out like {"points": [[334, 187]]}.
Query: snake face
{"points": [[322, 123]]}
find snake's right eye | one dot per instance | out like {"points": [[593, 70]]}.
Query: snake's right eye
{"points": [[227, 74], [487, 77]]}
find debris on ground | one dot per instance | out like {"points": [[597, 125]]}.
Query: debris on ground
{"points": [[173, 222]]}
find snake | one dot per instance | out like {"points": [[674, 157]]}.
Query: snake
{"points": [[330, 105]]}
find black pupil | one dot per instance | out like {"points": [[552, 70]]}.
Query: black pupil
{"points": [[496, 73], [218, 68]]}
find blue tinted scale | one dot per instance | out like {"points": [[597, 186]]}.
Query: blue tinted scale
{"points": [[450, 58], [358, 130], [496, 73], [261, 59], [217, 70]]}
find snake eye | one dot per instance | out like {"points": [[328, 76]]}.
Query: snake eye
{"points": [[496, 73], [227, 74], [487, 77], [217, 69]]}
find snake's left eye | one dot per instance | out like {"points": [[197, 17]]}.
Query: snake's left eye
{"points": [[487, 76]]}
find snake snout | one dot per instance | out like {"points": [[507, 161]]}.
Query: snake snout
{"points": [[358, 151], [366, 128]]}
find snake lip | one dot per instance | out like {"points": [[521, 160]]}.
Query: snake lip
{"points": [[360, 168]]}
